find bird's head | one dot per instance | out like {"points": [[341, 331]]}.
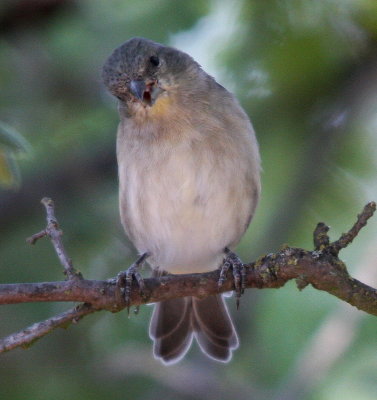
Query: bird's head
{"points": [[140, 72]]}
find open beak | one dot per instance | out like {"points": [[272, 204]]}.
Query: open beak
{"points": [[145, 92]]}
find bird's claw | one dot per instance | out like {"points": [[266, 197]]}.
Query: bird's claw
{"points": [[239, 273], [124, 281]]}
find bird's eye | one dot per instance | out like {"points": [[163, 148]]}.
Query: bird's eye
{"points": [[155, 61]]}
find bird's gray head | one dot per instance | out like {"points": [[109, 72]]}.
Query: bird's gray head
{"points": [[140, 70]]}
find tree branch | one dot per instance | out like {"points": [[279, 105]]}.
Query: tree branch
{"points": [[321, 268], [28, 336]]}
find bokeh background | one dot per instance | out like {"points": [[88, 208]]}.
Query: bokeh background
{"points": [[306, 72]]}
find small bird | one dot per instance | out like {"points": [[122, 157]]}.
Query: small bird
{"points": [[189, 183]]}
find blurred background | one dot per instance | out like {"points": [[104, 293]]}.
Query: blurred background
{"points": [[306, 73]]}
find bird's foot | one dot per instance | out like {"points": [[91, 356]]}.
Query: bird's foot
{"points": [[124, 281], [231, 260]]}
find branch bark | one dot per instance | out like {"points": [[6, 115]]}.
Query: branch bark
{"points": [[53, 231], [321, 268], [28, 336]]}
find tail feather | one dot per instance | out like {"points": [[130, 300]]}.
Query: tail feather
{"points": [[217, 352], [174, 322], [171, 329], [213, 328], [212, 318], [170, 355], [168, 316]]}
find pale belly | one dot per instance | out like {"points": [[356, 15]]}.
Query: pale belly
{"points": [[183, 210]]}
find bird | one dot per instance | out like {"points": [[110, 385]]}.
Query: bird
{"points": [[189, 183]]}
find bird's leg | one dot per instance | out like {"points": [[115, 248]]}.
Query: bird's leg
{"points": [[231, 260], [124, 280]]}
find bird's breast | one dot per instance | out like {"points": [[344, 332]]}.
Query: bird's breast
{"points": [[181, 200]]}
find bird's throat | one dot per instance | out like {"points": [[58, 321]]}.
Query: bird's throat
{"points": [[162, 108]]}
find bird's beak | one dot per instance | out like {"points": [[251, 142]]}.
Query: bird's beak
{"points": [[147, 93], [137, 88]]}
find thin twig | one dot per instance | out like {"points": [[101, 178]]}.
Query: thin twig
{"points": [[55, 234], [361, 221], [34, 332], [320, 237], [34, 238]]}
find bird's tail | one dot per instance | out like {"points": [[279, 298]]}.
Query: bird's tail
{"points": [[175, 322]]}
